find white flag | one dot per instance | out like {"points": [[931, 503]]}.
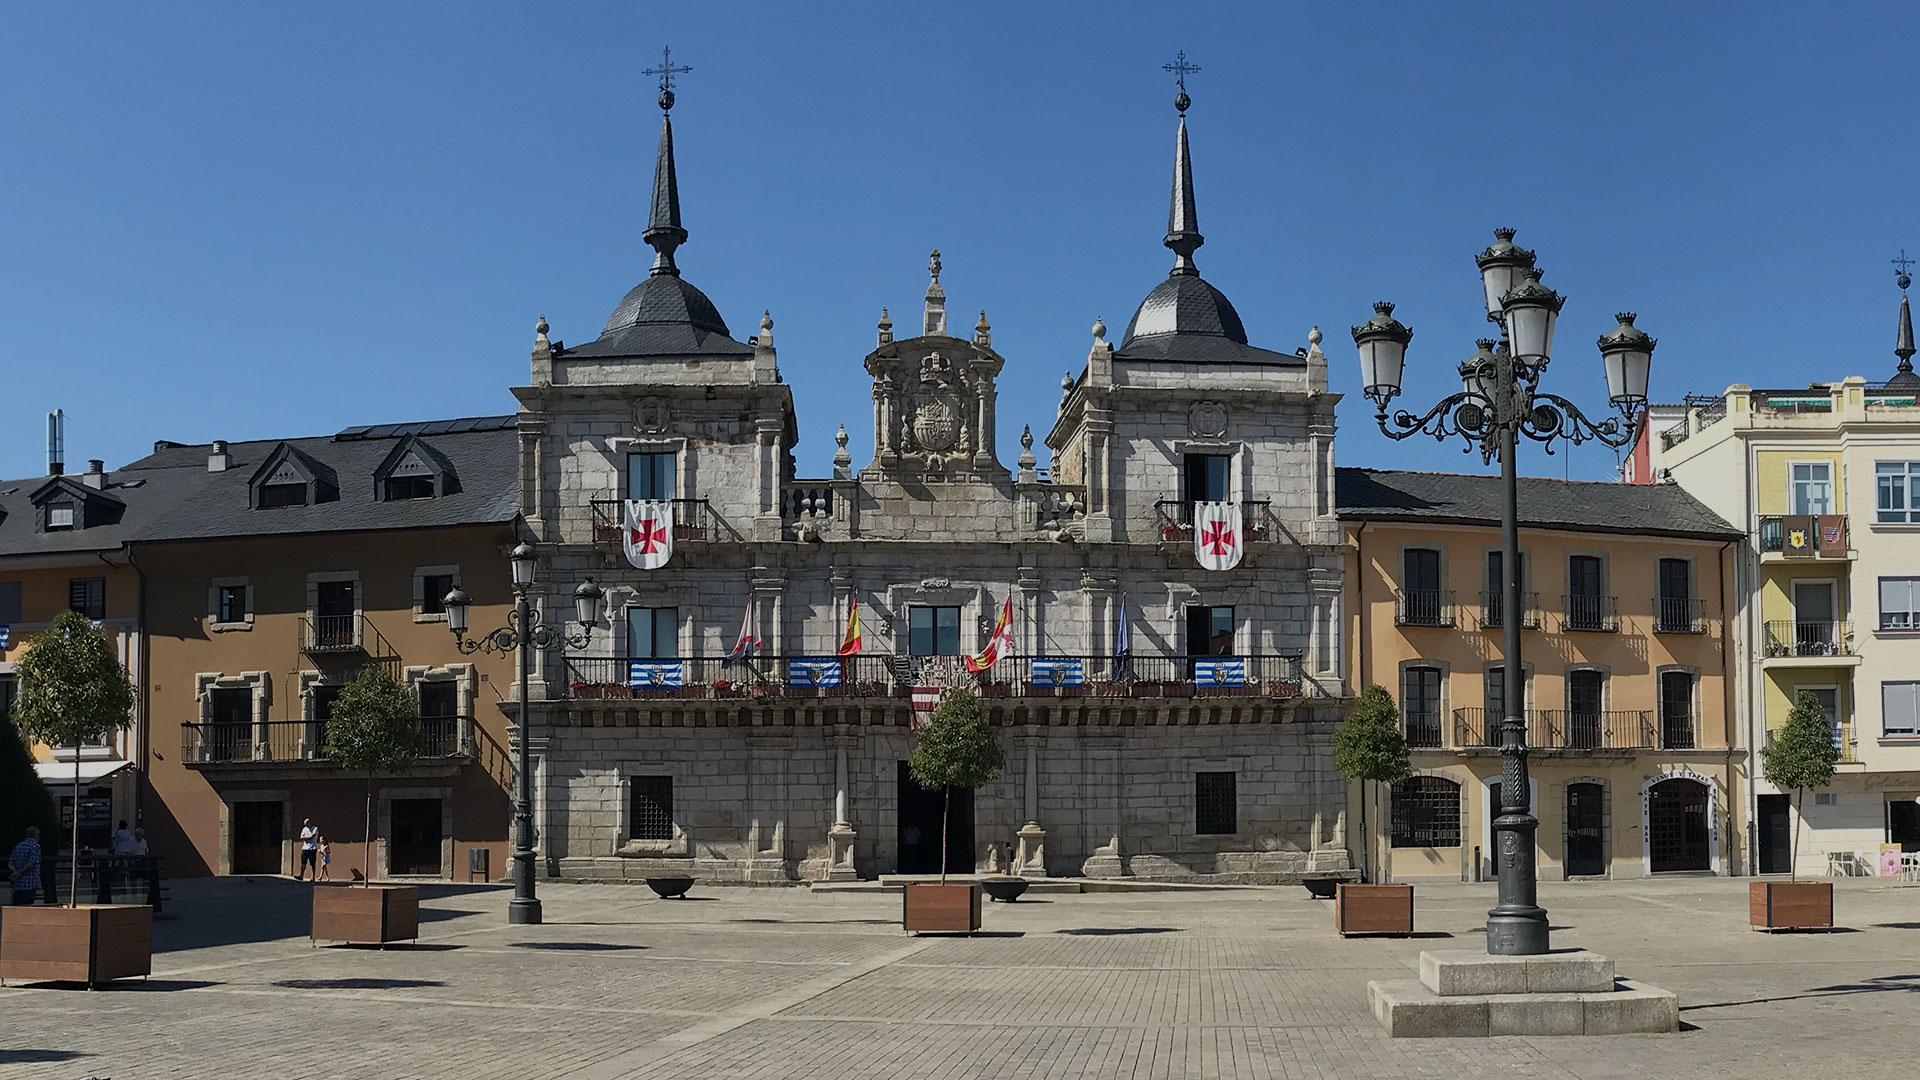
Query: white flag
{"points": [[1217, 536], [648, 536]]}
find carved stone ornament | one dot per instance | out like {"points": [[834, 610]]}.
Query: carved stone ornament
{"points": [[1207, 418], [936, 424], [650, 415]]}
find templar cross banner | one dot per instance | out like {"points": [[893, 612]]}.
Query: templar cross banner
{"points": [[648, 536], [1217, 535]]}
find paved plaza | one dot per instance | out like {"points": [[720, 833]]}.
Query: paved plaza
{"points": [[743, 983]]}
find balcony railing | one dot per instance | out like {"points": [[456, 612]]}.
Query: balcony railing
{"points": [[707, 678], [1679, 731], [693, 519], [1422, 731], [288, 741], [1481, 727], [1490, 607], [1423, 607], [1805, 536], [1799, 637], [1560, 729], [1599, 613], [1176, 519], [1679, 615]]}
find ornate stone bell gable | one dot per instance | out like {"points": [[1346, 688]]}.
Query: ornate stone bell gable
{"points": [[934, 399]]}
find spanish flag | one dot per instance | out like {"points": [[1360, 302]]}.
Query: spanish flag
{"points": [[1000, 644], [850, 645]]}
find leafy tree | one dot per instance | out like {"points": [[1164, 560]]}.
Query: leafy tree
{"points": [[1801, 755], [956, 749], [72, 690], [375, 728], [24, 800], [1371, 747]]}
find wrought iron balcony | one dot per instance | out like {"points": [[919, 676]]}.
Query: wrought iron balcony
{"points": [[1490, 604], [1598, 613], [707, 678], [293, 741], [1573, 729], [1809, 638], [1805, 536], [1423, 607], [1679, 615], [1480, 727], [693, 520], [1175, 518]]}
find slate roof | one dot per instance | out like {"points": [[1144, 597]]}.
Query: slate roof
{"points": [[664, 315], [1588, 506], [170, 495]]}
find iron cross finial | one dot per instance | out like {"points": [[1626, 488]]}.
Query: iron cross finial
{"points": [[1181, 69], [666, 71], [1902, 265]]}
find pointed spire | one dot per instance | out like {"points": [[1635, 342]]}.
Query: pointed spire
{"points": [[664, 232], [1903, 342], [1183, 220]]}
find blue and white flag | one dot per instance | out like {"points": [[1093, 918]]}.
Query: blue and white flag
{"points": [[6, 635], [655, 674], [1228, 671], [1057, 673], [813, 672]]}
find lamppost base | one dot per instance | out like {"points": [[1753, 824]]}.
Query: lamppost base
{"points": [[1517, 931], [527, 912]]}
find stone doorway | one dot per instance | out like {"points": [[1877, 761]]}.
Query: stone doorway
{"points": [[920, 812]]}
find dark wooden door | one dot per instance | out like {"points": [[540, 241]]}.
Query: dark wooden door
{"points": [[919, 828], [1903, 823], [1676, 710], [1676, 607], [1420, 582], [1677, 826], [439, 718], [333, 614], [1586, 836], [259, 838], [1584, 722], [414, 844], [1585, 608], [231, 736], [1776, 834]]}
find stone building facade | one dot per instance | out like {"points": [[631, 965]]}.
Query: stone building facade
{"points": [[789, 765]]}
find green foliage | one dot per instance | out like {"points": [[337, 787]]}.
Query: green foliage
{"points": [[375, 725], [1370, 744], [72, 688], [24, 800], [956, 747], [1802, 754]]}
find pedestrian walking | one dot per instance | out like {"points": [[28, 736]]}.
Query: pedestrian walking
{"points": [[122, 839], [23, 867], [326, 860], [309, 849]]}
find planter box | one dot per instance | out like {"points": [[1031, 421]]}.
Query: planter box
{"points": [[1373, 909], [941, 909], [370, 914], [93, 943], [1790, 905]]}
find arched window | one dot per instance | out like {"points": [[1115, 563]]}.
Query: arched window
{"points": [[1426, 812]]}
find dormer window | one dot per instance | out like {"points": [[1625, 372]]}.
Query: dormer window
{"points": [[276, 495], [401, 488], [413, 469], [64, 504], [292, 477], [59, 516]]}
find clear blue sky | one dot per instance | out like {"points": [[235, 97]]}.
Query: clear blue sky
{"points": [[266, 220]]}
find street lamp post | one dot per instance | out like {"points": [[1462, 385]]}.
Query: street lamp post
{"points": [[1500, 401], [522, 635]]}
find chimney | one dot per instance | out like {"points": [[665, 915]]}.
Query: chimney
{"points": [[219, 460], [96, 477], [56, 442]]}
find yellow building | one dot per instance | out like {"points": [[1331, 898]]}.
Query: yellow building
{"points": [[1623, 640]]}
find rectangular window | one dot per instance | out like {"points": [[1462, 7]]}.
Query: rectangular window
{"points": [[1587, 607], [1900, 709], [1493, 708], [653, 633], [1899, 603], [88, 596], [650, 476], [1215, 805], [651, 813], [1674, 609], [1813, 487], [933, 631], [1897, 492], [1209, 630], [1420, 705], [1676, 710], [1425, 813], [1207, 477], [9, 603], [232, 606], [1420, 602], [400, 488], [433, 593], [59, 516], [1585, 690], [277, 495]]}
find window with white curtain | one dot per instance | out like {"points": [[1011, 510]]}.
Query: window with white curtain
{"points": [[1900, 709], [1900, 603]]}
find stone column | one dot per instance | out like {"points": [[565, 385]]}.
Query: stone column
{"points": [[1030, 856], [841, 835], [1102, 752]]}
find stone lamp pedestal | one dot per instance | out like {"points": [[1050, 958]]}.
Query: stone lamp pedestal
{"points": [[1464, 993]]}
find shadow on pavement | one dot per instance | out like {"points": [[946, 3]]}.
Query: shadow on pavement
{"points": [[575, 946], [24, 1057], [1115, 931], [356, 984], [1879, 985], [210, 912]]}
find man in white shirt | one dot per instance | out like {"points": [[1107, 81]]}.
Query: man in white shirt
{"points": [[309, 849]]}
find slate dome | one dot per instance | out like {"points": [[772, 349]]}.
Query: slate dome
{"points": [[1185, 304]]}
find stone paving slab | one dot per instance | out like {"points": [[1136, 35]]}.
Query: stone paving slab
{"points": [[751, 983]]}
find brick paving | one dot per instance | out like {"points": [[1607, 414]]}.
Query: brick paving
{"points": [[750, 983]]}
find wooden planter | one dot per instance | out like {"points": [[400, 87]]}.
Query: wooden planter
{"points": [[1790, 905], [941, 909], [1373, 909], [369, 914], [93, 943]]}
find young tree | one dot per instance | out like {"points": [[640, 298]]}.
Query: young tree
{"points": [[1801, 756], [375, 728], [72, 690], [956, 749], [1371, 747]]}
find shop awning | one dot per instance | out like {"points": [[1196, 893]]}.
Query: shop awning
{"points": [[59, 774]]}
